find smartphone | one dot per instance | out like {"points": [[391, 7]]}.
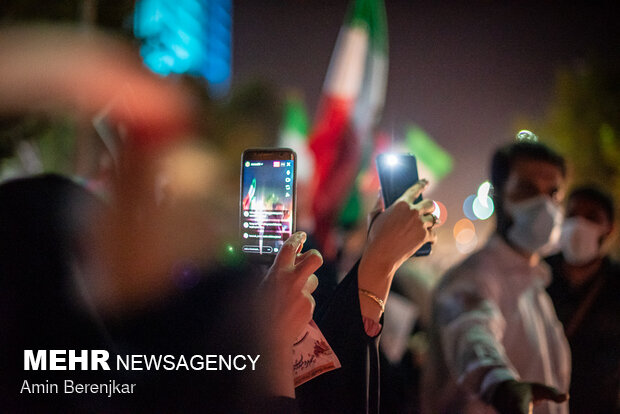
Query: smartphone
{"points": [[398, 172], [268, 201]]}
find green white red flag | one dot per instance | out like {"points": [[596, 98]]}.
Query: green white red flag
{"points": [[349, 110]]}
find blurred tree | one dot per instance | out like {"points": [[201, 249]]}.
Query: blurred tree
{"points": [[583, 123]]}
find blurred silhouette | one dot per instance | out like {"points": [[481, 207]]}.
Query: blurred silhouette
{"points": [[41, 222], [586, 294], [494, 336], [139, 274]]}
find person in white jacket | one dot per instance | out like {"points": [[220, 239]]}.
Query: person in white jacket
{"points": [[496, 344]]}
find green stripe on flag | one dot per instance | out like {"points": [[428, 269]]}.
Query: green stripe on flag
{"points": [[427, 151], [294, 134], [378, 27], [352, 211], [369, 106], [295, 117], [371, 15]]}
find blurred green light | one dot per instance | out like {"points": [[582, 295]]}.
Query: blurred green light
{"points": [[427, 151]]}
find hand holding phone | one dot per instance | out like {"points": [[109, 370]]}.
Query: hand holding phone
{"points": [[289, 284], [393, 237], [397, 174]]}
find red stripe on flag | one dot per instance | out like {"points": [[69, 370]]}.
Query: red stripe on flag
{"points": [[338, 152]]}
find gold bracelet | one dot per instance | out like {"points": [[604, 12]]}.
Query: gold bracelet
{"points": [[374, 297]]}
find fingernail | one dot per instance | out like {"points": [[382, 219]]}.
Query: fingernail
{"points": [[301, 238]]}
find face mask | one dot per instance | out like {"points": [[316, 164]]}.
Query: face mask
{"points": [[580, 240], [536, 224]]}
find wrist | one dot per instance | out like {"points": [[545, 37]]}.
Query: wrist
{"points": [[279, 360], [369, 308], [375, 278], [281, 380], [377, 265]]}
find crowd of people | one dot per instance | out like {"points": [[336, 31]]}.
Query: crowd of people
{"points": [[514, 328]]}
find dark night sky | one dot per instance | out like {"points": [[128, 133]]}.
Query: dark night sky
{"points": [[464, 71]]}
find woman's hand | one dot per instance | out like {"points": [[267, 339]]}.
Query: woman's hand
{"points": [[394, 236], [398, 232], [289, 285], [287, 292]]}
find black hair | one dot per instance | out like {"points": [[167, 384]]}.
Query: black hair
{"points": [[592, 193], [501, 166]]}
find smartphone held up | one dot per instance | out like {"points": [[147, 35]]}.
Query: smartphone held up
{"points": [[267, 201], [398, 172]]}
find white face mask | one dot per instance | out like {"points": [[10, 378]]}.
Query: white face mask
{"points": [[536, 224], [580, 240]]}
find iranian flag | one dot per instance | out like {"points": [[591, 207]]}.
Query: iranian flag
{"points": [[349, 110], [294, 135]]}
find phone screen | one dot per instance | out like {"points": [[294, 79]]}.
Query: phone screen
{"points": [[398, 172], [267, 200]]}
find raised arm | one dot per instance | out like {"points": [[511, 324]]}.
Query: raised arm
{"points": [[394, 236]]}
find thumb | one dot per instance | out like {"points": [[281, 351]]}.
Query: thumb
{"points": [[541, 392]]}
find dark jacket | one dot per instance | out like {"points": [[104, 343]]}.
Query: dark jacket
{"points": [[595, 343]]}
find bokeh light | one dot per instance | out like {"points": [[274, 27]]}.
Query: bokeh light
{"points": [[441, 212], [479, 206], [465, 236], [483, 208], [525, 135], [463, 224], [483, 192], [468, 208], [469, 247]]}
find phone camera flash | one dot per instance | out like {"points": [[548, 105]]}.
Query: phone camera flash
{"points": [[391, 160]]}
